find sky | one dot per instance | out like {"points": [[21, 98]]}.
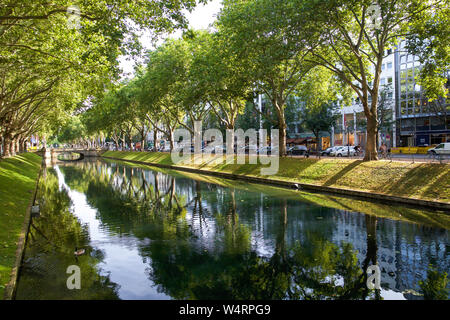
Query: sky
{"points": [[200, 18]]}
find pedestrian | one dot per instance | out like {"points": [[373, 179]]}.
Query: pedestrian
{"points": [[383, 150]]}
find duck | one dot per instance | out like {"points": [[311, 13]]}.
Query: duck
{"points": [[79, 252], [295, 186]]}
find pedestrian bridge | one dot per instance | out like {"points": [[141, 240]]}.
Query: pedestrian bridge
{"points": [[52, 154]]}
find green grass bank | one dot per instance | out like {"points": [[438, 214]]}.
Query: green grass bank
{"points": [[423, 181], [18, 177]]}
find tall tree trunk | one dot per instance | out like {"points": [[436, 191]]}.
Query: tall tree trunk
{"points": [[155, 140], [282, 134], [6, 146], [12, 148], [279, 106], [22, 145], [171, 139], [371, 146]]}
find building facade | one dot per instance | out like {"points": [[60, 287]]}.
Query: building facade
{"points": [[420, 122], [351, 126]]}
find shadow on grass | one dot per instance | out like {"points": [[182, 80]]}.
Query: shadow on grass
{"points": [[289, 169], [417, 178], [438, 188], [342, 172]]}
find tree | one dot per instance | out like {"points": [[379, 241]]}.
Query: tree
{"points": [[320, 119], [258, 34], [428, 39], [165, 70], [354, 37], [46, 64], [218, 79]]}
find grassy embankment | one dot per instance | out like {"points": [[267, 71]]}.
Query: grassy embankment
{"points": [[431, 218], [17, 182], [425, 181]]}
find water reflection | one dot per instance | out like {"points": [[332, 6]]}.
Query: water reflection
{"points": [[160, 235]]}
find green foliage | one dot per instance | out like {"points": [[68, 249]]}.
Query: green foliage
{"points": [[49, 67], [321, 118], [72, 130], [435, 287], [429, 40]]}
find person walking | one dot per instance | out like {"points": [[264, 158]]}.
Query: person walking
{"points": [[383, 150]]}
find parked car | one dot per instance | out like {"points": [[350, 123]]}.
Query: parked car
{"points": [[297, 150], [218, 149], [327, 151], [268, 150], [202, 149], [442, 148], [344, 151], [247, 149], [165, 148]]}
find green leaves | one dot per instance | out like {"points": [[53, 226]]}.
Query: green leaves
{"points": [[48, 67]]}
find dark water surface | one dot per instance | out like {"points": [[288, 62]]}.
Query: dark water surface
{"points": [[163, 235]]}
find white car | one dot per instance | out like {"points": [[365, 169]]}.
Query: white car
{"points": [[328, 151], [249, 149], [343, 152], [443, 148]]}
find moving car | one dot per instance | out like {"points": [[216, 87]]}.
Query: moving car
{"points": [[442, 148]]}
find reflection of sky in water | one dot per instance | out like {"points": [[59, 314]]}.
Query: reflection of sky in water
{"points": [[121, 258]]}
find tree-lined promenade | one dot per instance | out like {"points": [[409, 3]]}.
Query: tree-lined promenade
{"points": [[61, 82], [52, 60]]}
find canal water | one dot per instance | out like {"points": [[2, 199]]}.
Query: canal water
{"points": [[159, 234]]}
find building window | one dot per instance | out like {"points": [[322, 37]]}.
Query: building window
{"points": [[407, 125], [437, 138], [410, 73], [437, 123], [383, 81], [390, 80], [410, 107], [423, 124], [417, 107], [389, 65], [403, 107], [383, 67]]}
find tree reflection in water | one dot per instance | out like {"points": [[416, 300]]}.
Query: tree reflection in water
{"points": [[199, 239], [50, 249]]}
